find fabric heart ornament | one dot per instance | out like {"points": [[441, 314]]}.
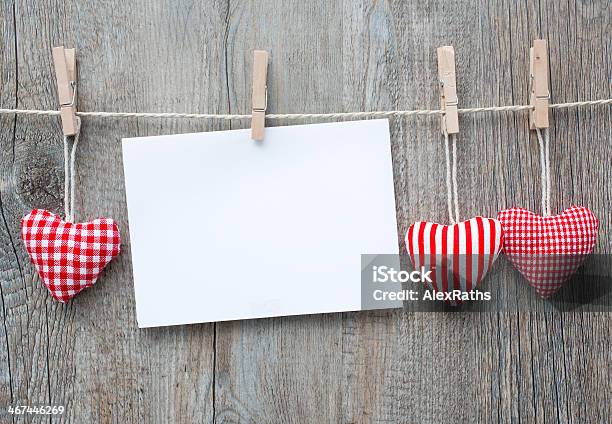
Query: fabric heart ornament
{"points": [[68, 257], [458, 256], [548, 250]]}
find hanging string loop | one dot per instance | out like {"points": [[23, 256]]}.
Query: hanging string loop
{"points": [[451, 177], [544, 144], [69, 173]]}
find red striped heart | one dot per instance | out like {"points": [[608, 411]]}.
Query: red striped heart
{"points": [[68, 257], [458, 255], [548, 250]]}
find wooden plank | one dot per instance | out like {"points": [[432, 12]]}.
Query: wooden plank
{"points": [[9, 269], [285, 369], [165, 375], [89, 355], [25, 308], [442, 367], [580, 68], [520, 187]]}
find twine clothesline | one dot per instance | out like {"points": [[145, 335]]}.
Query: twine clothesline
{"points": [[451, 174], [340, 115]]}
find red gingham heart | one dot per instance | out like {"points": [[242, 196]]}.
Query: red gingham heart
{"points": [[548, 250], [68, 257], [458, 255]]}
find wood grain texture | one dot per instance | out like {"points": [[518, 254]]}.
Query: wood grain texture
{"points": [[293, 365], [325, 56]]}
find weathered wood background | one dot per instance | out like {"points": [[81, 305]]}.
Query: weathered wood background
{"points": [[195, 56]]}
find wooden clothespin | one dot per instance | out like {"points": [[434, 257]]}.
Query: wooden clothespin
{"points": [[540, 95], [448, 89], [260, 94], [64, 61]]}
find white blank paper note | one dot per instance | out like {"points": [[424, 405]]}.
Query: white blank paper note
{"points": [[223, 227]]}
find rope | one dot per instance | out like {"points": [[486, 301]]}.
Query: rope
{"points": [[454, 139], [69, 174], [545, 165], [451, 175], [343, 115], [451, 178]]}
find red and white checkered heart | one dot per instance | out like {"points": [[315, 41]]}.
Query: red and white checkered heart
{"points": [[68, 257], [458, 256], [548, 250]]}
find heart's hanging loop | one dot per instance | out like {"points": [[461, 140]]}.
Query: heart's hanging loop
{"points": [[451, 177], [69, 173], [544, 143]]}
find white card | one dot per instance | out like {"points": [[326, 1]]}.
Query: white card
{"points": [[223, 227]]}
